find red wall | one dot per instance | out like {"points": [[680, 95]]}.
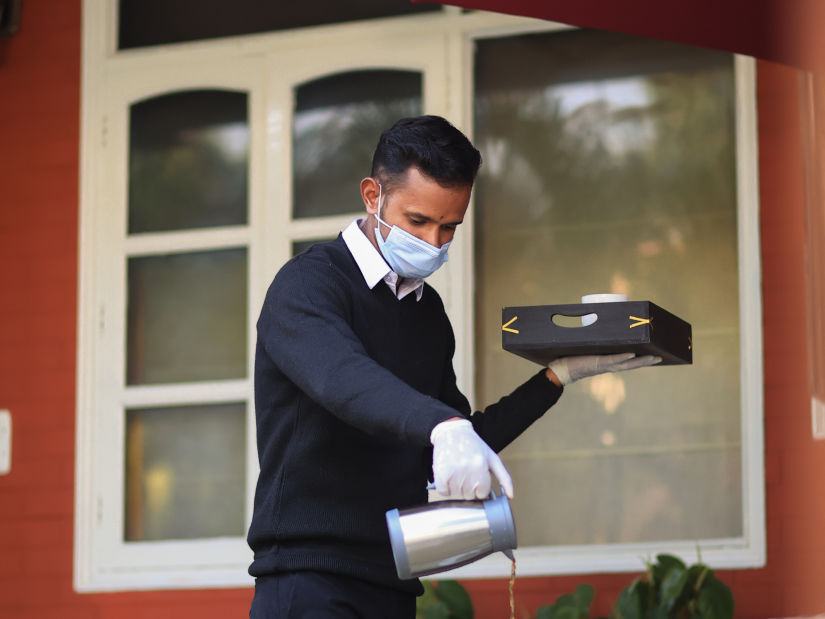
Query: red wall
{"points": [[39, 165], [39, 128], [39, 85], [777, 30]]}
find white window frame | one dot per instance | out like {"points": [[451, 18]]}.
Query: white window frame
{"points": [[749, 549], [102, 560], [268, 67]]}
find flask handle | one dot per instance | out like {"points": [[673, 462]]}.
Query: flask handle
{"points": [[506, 552]]}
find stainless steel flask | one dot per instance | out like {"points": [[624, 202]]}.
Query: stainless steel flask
{"points": [[444, 535]]}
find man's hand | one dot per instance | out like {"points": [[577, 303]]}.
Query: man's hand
{"points": [[569, 369], [462, 462]]}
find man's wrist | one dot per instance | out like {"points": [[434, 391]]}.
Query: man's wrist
{"points": [[551, 376]]}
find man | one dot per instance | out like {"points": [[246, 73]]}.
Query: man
{"points": [[355, 394]]}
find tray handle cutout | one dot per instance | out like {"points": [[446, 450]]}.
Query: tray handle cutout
{"points": [[573, 321]]}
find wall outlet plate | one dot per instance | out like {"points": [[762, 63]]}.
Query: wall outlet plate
{"points": [[5, 442], [818, 418]]}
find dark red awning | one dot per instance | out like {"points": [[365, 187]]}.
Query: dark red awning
{"points": [[790, 32]]}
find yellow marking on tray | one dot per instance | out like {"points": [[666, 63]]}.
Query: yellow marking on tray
{"points": [[640, 321], [690, 343], [506, 326]]}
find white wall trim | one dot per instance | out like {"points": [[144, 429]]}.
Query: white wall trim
{"points": [[750, 303]]}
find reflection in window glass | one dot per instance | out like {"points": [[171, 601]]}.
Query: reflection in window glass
{"points": [[188, 160], [610, 167], [185, 472], [337, 123], [186, 317]]}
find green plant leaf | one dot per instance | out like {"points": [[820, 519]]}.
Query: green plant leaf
{"points": [[568, 612], [630, 602], [672, 587], [566, 601], [647, 595], [715, 600], [664, 564], [434, 610], [584, 596], [425, 599], [670, 561], [697, 574], [545, 612], [456, 598], [705, 574]]}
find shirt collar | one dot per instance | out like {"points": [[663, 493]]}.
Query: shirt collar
{"points": [[373, 266]]}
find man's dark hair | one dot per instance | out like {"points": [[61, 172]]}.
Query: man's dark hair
{"points": [[429, 143]]}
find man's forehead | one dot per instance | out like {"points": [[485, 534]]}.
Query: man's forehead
{"points": [[434, 215]]}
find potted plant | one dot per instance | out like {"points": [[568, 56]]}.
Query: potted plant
{"points": [[669, 589], [569, 606], [447, 600]]}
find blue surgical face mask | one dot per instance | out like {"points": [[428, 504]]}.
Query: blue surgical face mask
{"points": [[406, 254]]}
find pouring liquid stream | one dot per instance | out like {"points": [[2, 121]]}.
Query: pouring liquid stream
{"points": [[512, 594]]}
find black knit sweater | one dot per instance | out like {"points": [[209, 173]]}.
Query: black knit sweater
{"points": [[349, 383]]}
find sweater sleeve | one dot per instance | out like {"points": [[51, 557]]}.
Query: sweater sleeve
{"points": [[305, 329], [501, 423]]}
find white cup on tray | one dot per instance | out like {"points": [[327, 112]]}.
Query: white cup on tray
{"points": [[602, 297]]}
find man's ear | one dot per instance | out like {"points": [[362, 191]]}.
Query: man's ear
{"points": [[369, 194]]}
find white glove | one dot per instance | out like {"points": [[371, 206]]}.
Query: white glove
{"points": [[569, 369], [462, 462]]}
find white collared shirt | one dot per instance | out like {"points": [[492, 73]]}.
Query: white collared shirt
{"points": [[373, 266]]}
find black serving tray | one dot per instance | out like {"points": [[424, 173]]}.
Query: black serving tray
{"points": [[631, 326]]}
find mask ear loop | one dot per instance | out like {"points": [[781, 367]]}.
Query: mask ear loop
{"points": [[378, 214], [379, 200]]}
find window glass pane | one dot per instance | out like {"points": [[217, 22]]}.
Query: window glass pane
{"points": [[627, 498], [185, 472], [298, 247], [610, 167], [337, 123], [188, 159], [186, 317], [154, 22]]}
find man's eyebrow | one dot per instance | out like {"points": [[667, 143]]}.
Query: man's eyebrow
{"points": [[417, 215]]}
